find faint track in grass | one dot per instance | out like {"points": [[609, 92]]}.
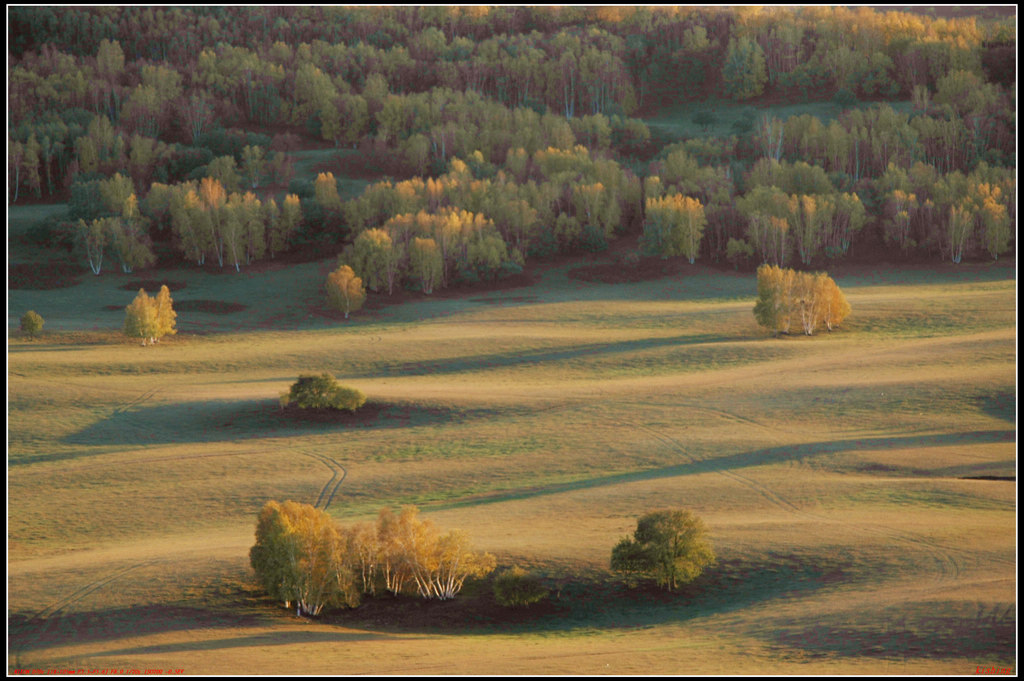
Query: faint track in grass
{"points": [[323, 500], [136, 402], [49, 617], [332, 486]]}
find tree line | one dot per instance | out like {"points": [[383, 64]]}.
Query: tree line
{"points": [[935, 181]]}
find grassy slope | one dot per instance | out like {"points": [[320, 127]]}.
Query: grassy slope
{"points": [[542, 420]]}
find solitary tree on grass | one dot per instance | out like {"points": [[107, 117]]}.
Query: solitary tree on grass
{"points": [[150, 318], [670, 546], [345, 290], [323, 392], [31, 324]]}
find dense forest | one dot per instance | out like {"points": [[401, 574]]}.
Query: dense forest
{"points": [[497, 135]]}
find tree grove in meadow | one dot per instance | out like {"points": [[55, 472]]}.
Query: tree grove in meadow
{"points": [[303, 556], [788, 300]]}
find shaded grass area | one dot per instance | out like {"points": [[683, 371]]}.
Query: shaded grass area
{"points": [[944, 630], [152, 286], [585, 601], [219, 421], [677, 121], [575, 603]]}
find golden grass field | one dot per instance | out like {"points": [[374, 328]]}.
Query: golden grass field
{"points": [[839, 475]]}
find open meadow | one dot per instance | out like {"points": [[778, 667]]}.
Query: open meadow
{"points": [[859, 486]]}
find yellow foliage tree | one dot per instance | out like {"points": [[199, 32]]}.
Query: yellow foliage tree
{"points": [[345, 290], [785, 297]]}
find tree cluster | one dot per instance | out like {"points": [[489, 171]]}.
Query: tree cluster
{"points": [[479, 221], [150, 318], [303, 556], [156, 96], [788, 299]]}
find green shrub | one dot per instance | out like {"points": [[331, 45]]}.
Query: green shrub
{"points": [[323, 392], [31, 324], [516, 588]]}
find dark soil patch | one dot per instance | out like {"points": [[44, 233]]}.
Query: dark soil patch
{"points": [[152, 285], [43, 276], [208, 306]]}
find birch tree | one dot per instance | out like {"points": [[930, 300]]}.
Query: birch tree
{"points": [[345, 290]]}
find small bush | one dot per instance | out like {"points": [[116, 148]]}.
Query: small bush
{"points": [[323, 392], [515, 588], [31, 324]]}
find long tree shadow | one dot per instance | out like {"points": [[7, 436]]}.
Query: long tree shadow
{"points": [[221, 421], [760, 457], [519, 357], [933, 630]]}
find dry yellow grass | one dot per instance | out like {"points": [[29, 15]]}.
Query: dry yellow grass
{"points": [[829, 470]]}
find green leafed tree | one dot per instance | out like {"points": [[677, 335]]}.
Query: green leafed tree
{"points": [[674, 225], [300, 556], [744, 71], [31, 324], [324, 392], [515, 588], [426, 264], [670, 546]]}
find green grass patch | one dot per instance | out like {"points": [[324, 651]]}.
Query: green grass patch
{"points": [[677, 121]]}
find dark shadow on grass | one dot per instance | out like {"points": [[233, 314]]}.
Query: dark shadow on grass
{"points": [[603, 602], [114, 623], [514, 358], [760, 457], [935, 630], [220, 421], [232, 605], [1002, 405], [270, 638]]}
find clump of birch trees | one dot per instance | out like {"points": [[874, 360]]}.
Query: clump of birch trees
{"points": [[788, 299], [304, 558]]}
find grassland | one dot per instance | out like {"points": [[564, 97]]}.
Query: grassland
{"points": [[841, 476], [676, 121]]}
